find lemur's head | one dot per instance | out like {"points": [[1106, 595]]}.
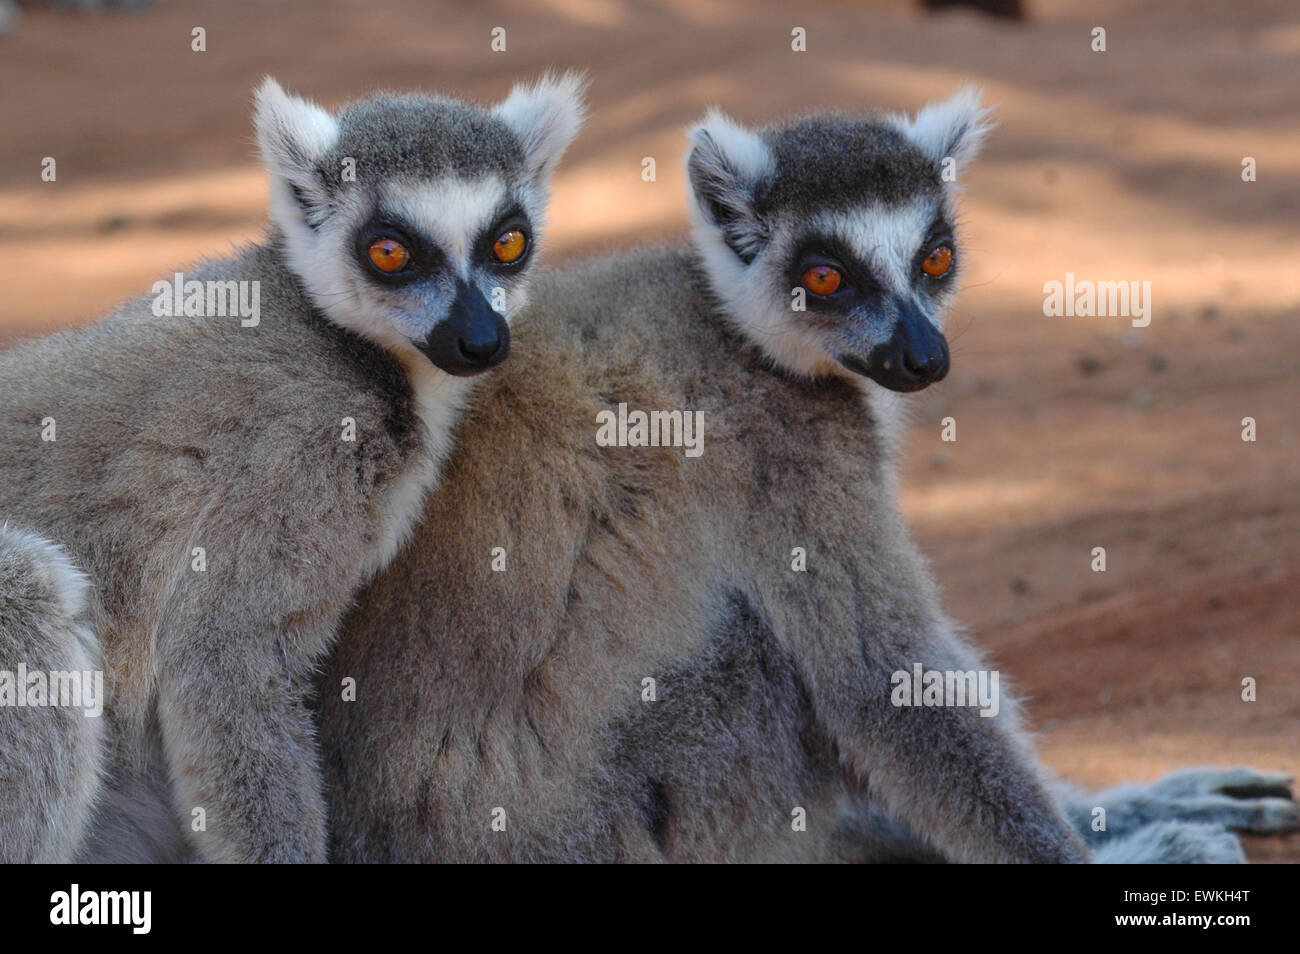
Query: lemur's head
{"points": [[412, 219], [830, 240]]}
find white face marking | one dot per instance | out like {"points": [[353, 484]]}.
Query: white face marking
{"points": [[453, 212], [439, 401], [953, 128], [886, 238], [545, 116]]}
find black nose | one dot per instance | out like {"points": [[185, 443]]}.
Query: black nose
{"points": [[926, 366], [471, 339], [914, 357], [479, 345]]}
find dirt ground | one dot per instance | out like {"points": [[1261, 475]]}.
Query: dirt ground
{"points": [[1072, 433]]}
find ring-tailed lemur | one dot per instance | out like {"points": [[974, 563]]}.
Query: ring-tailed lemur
{"points": [[633, 654], [227, 477]]}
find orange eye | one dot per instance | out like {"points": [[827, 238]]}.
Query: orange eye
{"points": [[388, 255], [938, 262], [822, 280], [509, 246]]}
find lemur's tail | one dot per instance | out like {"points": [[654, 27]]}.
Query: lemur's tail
{"points": [[38, 581], [51, 697]]}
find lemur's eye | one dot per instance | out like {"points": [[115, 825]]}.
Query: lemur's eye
{"points": [[822, 280], [509, 245], [937, 263], [388, 255]]}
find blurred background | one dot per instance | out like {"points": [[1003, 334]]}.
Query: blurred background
{"points": [[1073, 433]]}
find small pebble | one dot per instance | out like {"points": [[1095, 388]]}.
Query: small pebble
{"points": [[1088, 365]]}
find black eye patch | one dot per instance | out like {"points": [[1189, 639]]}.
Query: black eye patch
{"points": [[426, 258], [857, 280], [513, 216], [939, 233]]}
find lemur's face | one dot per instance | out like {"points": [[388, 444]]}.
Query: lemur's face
{"points": [[438, 265], [831, 241], [863, 287], [413, 220]]}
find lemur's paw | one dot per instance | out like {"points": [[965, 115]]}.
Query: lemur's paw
{"points": [[1238, 799], [1174, 843], [1241, 798], [1240, 782], [1262, 816]]}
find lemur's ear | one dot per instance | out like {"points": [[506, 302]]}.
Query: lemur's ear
{"points": [[545, 116], [294, 134], [954, 127], [727, 165]]}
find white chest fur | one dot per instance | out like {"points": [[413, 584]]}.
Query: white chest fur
{"points": [[439, 399]]}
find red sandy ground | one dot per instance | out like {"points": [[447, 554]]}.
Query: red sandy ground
{"points": [[1072, 433]]}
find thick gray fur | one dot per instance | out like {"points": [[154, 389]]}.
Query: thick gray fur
{"points": [[44, 789]]}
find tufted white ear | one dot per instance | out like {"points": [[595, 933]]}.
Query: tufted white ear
{"points": [[294, 134], [726, 167], [954, 127], [545, 116]]}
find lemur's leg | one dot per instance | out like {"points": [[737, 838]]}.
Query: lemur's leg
{"points": [[966, 783], [135, 822], [1186, 817], [868, 836], [51, 756], [239, 741]]}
